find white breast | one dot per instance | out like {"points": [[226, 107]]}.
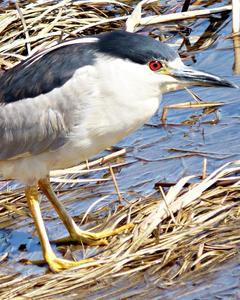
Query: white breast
{"points": [[125, 96], [112, 99]]}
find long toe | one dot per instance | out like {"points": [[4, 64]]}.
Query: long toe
{"points": [[58, 264], [91, 238], [78, 238]]}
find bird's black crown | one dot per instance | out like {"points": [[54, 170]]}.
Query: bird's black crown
{"points": [[135, 47]]}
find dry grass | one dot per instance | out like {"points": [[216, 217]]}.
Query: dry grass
{"points": [[32, 27], [183, 230]]}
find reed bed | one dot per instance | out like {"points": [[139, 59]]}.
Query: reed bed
{"points": [[179, 231], [190, 227], [29, 28]]}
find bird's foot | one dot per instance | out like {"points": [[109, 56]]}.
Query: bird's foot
{"points": [[90, 238], [57, 264]]}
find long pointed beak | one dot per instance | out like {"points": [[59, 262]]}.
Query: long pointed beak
{"points": [[195, 77]]}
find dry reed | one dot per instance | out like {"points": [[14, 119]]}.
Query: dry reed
{"points": [[178, 232], [190, 227]]}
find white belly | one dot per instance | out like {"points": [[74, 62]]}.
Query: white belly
{"points": [[94, 134]]}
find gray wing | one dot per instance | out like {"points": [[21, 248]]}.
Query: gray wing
{"points": [[35, 110], [26, 131]]}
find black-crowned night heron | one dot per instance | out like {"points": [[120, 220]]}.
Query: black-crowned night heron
{"points": [[69, 102]]}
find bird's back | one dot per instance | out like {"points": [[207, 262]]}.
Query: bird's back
{"points": [[41, 73]]}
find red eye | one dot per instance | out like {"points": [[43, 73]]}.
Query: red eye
{"points": [[155, 65]]}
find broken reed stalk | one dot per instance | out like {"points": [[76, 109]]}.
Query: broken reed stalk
{"points": [[236, 16], [187, 105], [183, 15], [28, 45], [120, 199], [135, 18], [89, 165]]}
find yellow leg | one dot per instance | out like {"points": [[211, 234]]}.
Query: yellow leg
{"points": [[75, 233], [55, 264]]}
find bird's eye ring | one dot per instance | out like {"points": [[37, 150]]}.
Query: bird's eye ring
{"points": [[155, 65]]}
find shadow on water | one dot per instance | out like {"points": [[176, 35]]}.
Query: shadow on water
{"points": [[151, 149]]}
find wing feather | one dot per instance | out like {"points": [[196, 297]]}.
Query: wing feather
{"points": [[35, 106], [29, 135]]}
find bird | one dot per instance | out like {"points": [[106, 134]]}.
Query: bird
{"points": [[68, 102]]}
